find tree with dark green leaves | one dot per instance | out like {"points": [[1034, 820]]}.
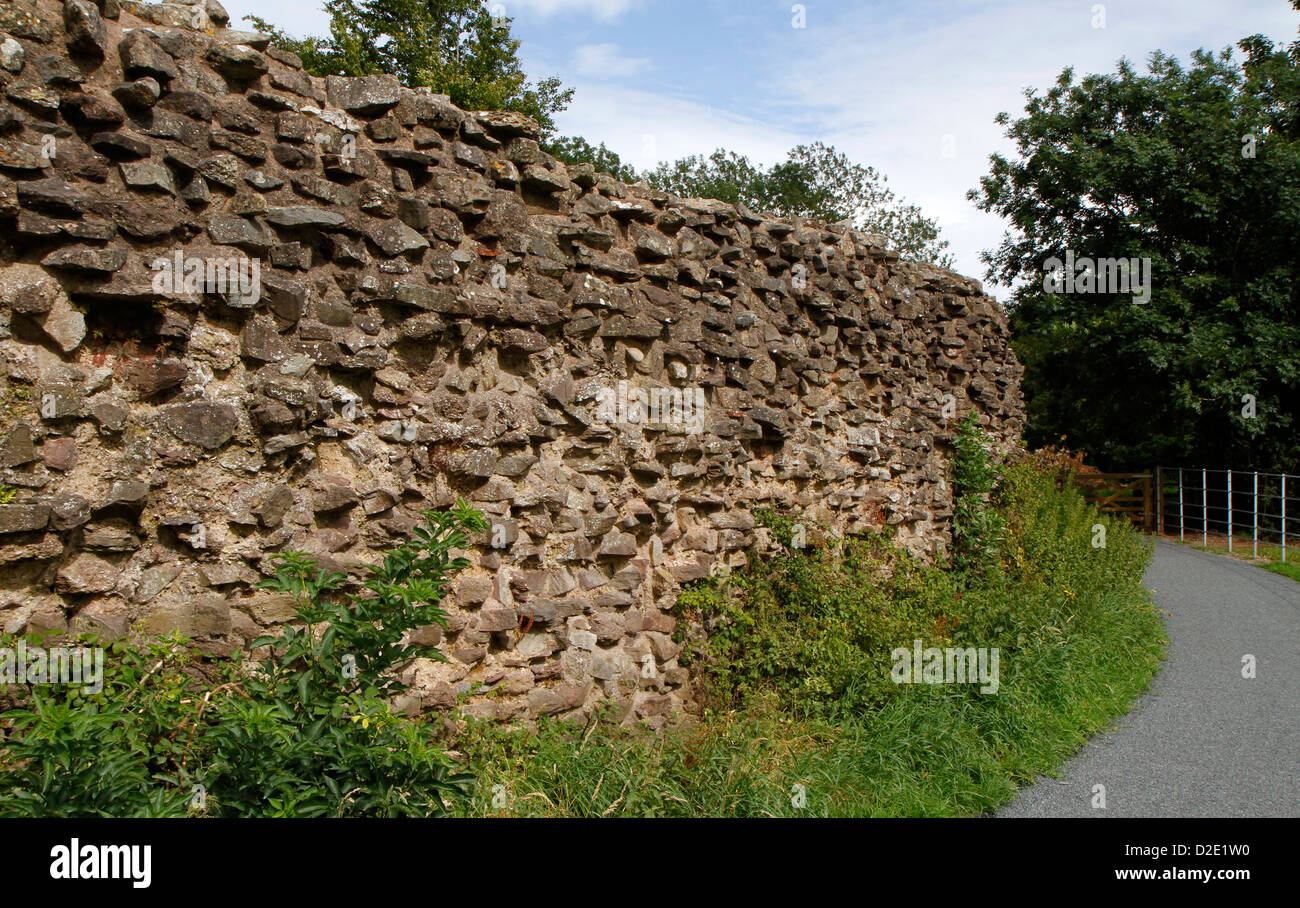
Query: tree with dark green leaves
{"points": [[577, 150], [1196, 170], [456, 47], [723, 175], [813, 181]]}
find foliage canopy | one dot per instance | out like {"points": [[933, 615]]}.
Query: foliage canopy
{"points": [[1196, 168]]}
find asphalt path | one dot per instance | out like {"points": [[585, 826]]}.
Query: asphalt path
{"points": [[1203, 741]]}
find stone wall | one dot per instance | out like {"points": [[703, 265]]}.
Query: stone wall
{"points": [[247, 310]]}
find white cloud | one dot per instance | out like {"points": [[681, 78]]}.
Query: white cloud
{"points": [[605, 61], [298, 17], [605, 10], [645, 128]]}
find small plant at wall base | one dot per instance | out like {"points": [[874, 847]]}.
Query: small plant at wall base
{"points": [[402, 593], [308, 731], [318, 727], [977, 527], [118, 753], [811, 625]]}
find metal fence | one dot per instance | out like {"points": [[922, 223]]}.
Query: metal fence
{"points": [[1230, 502]]}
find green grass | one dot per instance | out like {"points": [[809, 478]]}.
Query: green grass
{"points": [[1079, 642], [1286, 569], [1269, 557]]}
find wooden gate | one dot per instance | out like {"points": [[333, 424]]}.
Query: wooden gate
{"points": [[1130, 495]]}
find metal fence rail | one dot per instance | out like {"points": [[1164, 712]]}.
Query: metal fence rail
{"points": [[1206, 501]]}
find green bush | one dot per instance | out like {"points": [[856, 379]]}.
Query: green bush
{"points": [[307, 731], [814, 625], [117, 753], [977, 526]]}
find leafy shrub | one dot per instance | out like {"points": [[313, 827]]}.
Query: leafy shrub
{"points": [[307, 731], [117, 753], [813, 626], [316, 736], [976, 524]]}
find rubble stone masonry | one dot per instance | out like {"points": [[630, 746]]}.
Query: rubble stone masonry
{"points": [[247, 310]]}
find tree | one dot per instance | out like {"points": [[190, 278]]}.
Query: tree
{"points": [[723, 175], [577, 150], [1197, 171], [456, 47], [813, 181]]}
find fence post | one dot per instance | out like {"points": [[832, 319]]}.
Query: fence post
{"points": [[1160, 498], [1230, 512], [1255, 540], [1284, 518], [1146, 503], [1180, 505], [1205, 506]]}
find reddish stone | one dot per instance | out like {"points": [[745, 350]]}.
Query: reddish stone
{"points": [[60, 454]]}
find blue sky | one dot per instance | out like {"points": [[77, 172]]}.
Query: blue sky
{"points": [[910, 87]]}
